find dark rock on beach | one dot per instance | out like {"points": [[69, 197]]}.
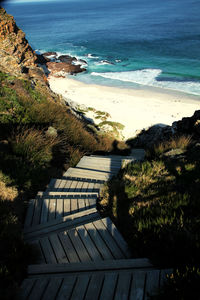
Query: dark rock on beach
{"points": [[62, 68], [67, 59]]}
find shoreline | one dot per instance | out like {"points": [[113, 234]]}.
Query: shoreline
{"points": [[136, 109]]}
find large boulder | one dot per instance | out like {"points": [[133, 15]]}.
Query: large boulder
{"points": [[67, 58], [62, 68]]}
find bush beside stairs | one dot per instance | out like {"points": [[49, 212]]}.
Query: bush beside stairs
{"points": [[81, 255]]}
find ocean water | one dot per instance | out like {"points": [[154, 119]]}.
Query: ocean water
{"points": [[127, 43]]}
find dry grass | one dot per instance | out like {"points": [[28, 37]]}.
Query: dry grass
{"points": [[7, 193], [181, 142], [34, 146]]}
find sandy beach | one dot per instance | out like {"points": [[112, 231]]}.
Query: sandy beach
{"points": [[135, 109]]}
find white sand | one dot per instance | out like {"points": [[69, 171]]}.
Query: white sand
{"points": [[136, 109]]}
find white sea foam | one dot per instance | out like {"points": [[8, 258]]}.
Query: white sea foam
{"points": [[89, 55], [149, 77], [103, 62]]}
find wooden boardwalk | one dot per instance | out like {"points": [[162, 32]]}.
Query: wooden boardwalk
{"points": [[81, 255]]}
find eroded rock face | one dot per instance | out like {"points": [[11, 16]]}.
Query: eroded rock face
{"points": [[16, 55], [62, 68]]}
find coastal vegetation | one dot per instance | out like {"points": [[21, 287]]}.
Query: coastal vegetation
{"points": [[156, 205]]}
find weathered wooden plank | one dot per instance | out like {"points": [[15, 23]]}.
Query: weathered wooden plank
{"points": [[97, 170], [79, 186], [66, 288], [58, 249], [101, 162], [92, 202], [45, 210], [47, 251], [91, 248], [108, 239], [117, 236], [109, 286], [74, 205], [66, 185], [152, 283], [67, 176], [52, 289], [94, 287], [79, 246], [61, 185], [81, 173], [25, 289], [52, 209], [59, 208], [81, 204], [73, 185], [38, 289], [85, 186], [99, 166], [98, 241], [90, 187], [68, 247], [97, 265], [106, 159], [137, 286], [123, 286], [67, 222], [80, 287], [37, 211], [67, 206], [29, 213]]}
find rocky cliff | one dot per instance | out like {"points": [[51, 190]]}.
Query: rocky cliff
{"points": [[16, 55]]}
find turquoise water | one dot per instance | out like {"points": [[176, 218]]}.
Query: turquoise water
{"points": [[127, 43]]}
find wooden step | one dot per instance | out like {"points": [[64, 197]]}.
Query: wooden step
{"points": [[61, 223], [85, 180], [117, 284], [94, 266], [103, 162], [97, 167], [82, 173], [53, 205], [86, 242], [73, 186]]}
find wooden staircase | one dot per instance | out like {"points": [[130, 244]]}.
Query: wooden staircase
{"points": [[81, 255]]}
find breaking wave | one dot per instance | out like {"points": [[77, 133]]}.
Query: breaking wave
{"points": [[149, 77]]}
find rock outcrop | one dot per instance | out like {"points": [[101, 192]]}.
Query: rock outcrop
{"points": [[190, 125], [63, 68], [16, 55]]}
